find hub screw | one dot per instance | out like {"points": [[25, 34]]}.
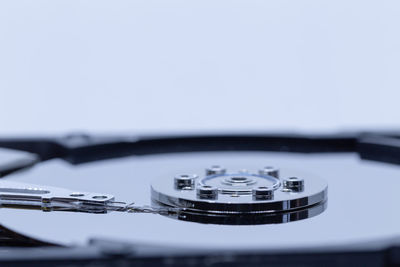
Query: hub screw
{"points": [[262, 193], [185, 181], [269, 171], [215, 170], [294, 184], [207, 192]]}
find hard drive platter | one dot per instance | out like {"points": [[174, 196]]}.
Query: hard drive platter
{"points": [[215, 200]]}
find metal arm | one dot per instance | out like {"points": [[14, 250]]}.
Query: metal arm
{"points": [[80, 148]]}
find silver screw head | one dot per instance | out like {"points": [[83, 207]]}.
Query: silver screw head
{"points": [[269, 171], [294, 183], [262, 193], [207, 192], [215, 170], [185, 181]]}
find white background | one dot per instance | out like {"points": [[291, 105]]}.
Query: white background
{"points": [[109, 66]]}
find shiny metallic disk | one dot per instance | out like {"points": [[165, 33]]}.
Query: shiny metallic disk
{"points": [[243, 194]]}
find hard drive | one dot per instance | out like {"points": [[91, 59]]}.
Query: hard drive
{"points": [[215, 200]]}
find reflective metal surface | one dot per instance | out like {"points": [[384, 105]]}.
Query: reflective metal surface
{"points": [[352, 215], [12, 160], [22, 195], [245, 218], [251, 198]]}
